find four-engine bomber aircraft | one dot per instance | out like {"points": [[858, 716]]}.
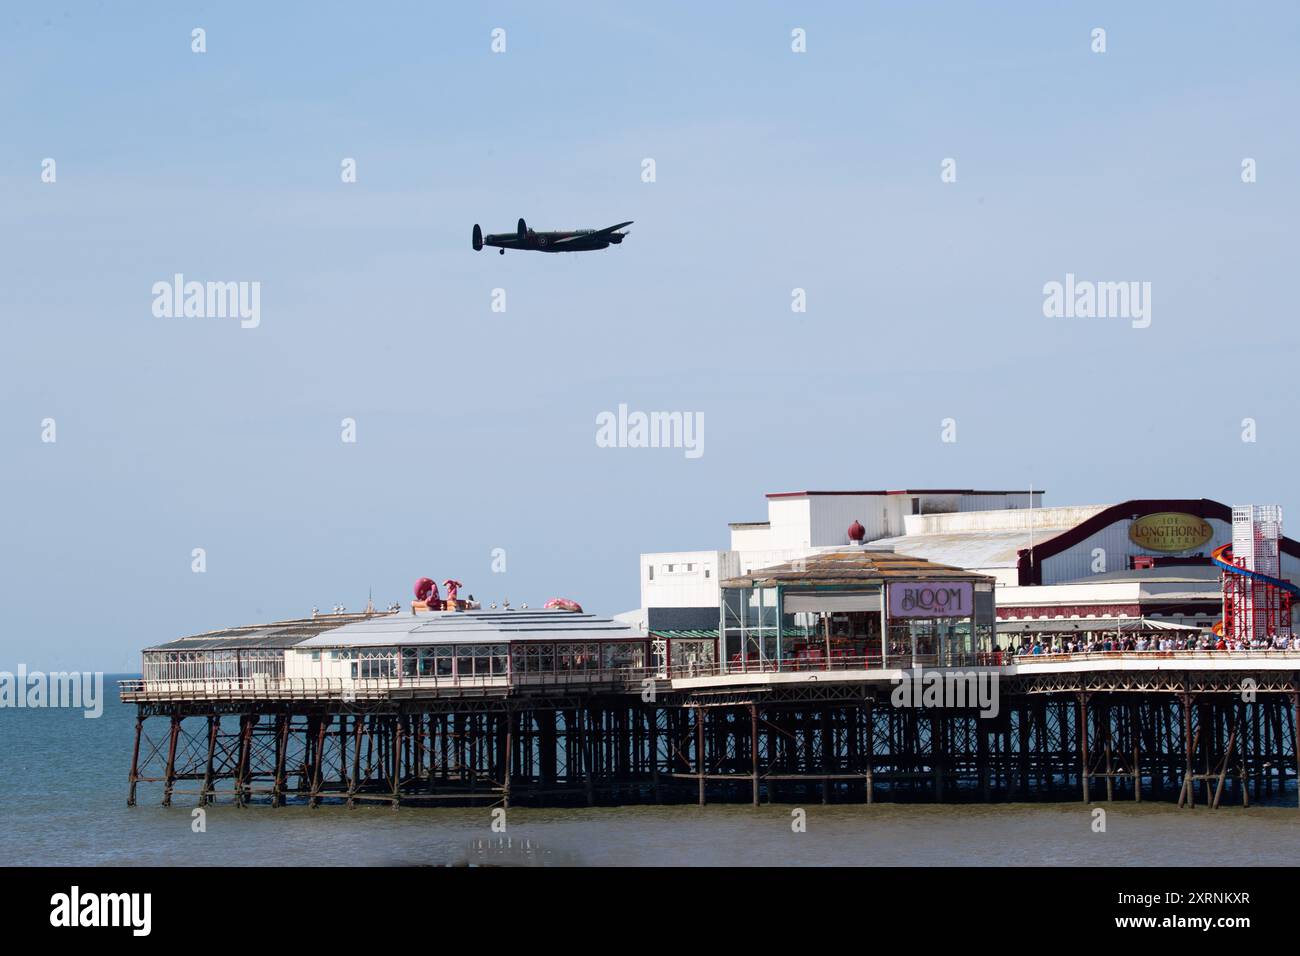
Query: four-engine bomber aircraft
{"points": [[577, 240]]}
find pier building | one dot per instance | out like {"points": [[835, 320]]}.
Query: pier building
{"points": [[346, 654], [1074, 569], [681, 589], [862, 606]]}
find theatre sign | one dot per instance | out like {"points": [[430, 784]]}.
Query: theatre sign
{"points": [[1170, 531]]}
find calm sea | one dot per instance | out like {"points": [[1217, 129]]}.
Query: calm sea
{"points": [[63, 801]]}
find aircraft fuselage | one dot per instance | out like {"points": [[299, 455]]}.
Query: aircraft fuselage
{"points": [[571, 240], [545, 241]]}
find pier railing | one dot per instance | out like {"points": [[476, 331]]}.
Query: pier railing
{"points": [[1197, 654], [999, 659], [633, 678], [377, 688], [792, 665]]}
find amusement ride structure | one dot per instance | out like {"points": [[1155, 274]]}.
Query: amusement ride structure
{"points": [[1256, 599]]}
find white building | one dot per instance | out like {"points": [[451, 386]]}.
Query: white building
{"points": [[387, 651], [1083, 567], [679, 589]]}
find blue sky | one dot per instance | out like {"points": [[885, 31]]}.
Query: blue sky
{"points": [[475, 429]]}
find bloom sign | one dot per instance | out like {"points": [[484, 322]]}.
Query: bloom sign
{"points": [[931, 599]]}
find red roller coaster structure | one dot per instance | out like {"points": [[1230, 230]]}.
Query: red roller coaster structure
{"points": [[1256, 606]]}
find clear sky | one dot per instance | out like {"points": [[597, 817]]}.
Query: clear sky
{"points": [[476, 429]]}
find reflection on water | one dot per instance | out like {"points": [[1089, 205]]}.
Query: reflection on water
{"points": [[507, 851]]}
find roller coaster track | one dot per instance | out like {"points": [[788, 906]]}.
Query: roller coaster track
{"points": [[1222, 556]]}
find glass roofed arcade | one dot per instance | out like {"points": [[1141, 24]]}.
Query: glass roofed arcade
{"points": [[856, 608], [424, 649]]}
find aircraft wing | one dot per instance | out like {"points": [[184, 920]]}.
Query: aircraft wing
{"points": [[593, 235]]}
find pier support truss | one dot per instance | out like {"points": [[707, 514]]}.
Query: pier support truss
{"points": [[1164, 737]]}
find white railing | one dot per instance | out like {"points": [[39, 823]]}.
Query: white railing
{"points": [[371, 688], [1197, 654], [980, 659]]}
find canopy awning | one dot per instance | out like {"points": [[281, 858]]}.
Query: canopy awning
{"points": [[832, 601], [1096, 624]]}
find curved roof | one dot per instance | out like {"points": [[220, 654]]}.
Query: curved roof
{"points": [[971, 549], [1200, 507], [475, 627], [276, 634], [853, 566]]}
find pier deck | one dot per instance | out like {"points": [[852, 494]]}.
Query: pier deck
{"points": [[1204, 728]]}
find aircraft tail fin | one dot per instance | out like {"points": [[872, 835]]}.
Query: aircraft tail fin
{"points": [[611, 233], [478, 238], [523, 231]]}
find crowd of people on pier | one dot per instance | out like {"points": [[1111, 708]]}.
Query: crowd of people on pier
{"points": [[1100, 643]]}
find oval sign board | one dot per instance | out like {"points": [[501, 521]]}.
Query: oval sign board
{"points": [[1170, 531]]}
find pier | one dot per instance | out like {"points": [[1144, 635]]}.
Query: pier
{"points": [[1199, 729]]}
